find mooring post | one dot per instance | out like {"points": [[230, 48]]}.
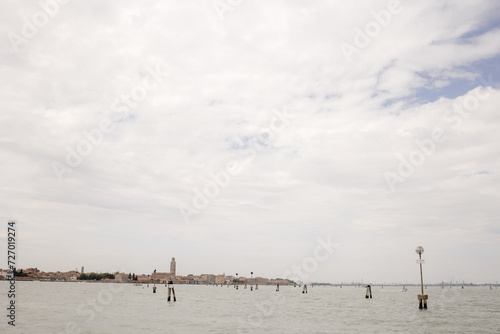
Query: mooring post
{"points": [[251, 287], [245, 285], [422, 299], [277, 287], [256, 286], [368, 291], [171, 291], [304, 290], [154, 289]]}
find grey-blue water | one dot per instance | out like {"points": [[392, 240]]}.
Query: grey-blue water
{"points": [[45, 307]]}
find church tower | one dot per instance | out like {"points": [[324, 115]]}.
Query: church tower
{"points": [[172, 268]]}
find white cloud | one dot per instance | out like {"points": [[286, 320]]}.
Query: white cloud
{"points": [[323, 174]]}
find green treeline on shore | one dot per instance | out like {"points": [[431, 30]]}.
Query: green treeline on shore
{"points": [[96, 277], [20, 273], [283, 279]]}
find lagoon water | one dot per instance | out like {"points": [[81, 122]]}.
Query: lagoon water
{"points": [[58, 307]]}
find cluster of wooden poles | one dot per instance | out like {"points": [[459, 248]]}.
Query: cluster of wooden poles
{"points": [[171, 290]]}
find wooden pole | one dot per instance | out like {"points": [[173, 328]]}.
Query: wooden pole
{"points": [[304, 290], [422, 299], [171, 291], [154, 282], [368, 291], [421, 275]]}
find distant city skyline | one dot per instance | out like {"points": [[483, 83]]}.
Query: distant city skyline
{"points": [[323, 140], [205, 278]]}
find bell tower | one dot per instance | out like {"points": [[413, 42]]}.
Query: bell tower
{"points": [[172, 268]]}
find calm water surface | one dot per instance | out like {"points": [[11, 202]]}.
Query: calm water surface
{"points": [[50, 307]]}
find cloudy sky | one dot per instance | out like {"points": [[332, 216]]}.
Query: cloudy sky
{"points": [[234, 135]]}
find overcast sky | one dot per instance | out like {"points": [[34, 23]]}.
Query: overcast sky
{"points": [[371, 124]]}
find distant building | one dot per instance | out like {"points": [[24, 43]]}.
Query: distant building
{"points": [[257, 280], [208, 279], [191, 279], [121, 278], [83, 270], [164, 277], [143, 278], [31, 271], [261, 280], [172, 268], [220, 279], [3, 272], [161, 277]]}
